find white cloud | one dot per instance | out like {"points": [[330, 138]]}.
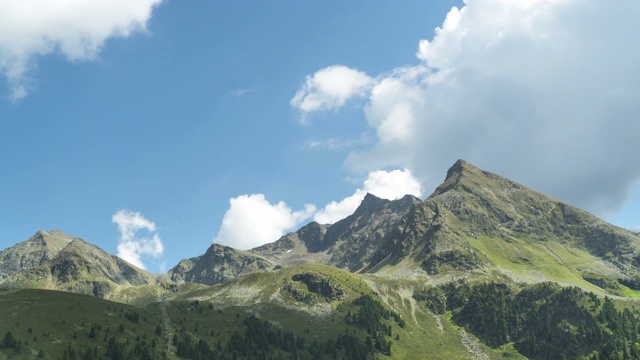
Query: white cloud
{"points": [[337, 210], [545, 92], [132, 247], [252, 220], [330, 88], [76, 29], [390, 185]]}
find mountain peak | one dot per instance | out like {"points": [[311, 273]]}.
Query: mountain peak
{"points": [[460, 170], [459, 166], [370, 199], [42, 246]]}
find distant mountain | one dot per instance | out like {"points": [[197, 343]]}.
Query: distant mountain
{"points": [[348, 244], [61, 262], [28, 254], [484, 268], [219, 264], [474, 221]]}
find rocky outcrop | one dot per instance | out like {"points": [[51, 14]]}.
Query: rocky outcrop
{"points": [[219, 264], [348, 244], [41, 247], [78, 267]]}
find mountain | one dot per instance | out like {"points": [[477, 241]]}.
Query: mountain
{"points": [[477, 220], [219, 264], [474, 222], [484, 268], [348, 244], [61, 262], [28, 254]]}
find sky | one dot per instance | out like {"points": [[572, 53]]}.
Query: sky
{"points": [[153, 128]]}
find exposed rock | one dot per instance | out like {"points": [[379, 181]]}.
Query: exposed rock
{"points": [[77, 267], [444, 234], [315, 286], [219, 264], [41, 247], [348, 244]]}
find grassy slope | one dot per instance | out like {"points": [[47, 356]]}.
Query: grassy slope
{"points": [[57, 318], [533, 261], [49, 320]]}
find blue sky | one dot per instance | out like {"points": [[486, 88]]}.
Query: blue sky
{"points": [[152, 128]]}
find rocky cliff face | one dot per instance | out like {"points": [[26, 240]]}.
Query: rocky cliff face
{"points": [[41, 247], [348, 244], [301, 247], [219, 264]]}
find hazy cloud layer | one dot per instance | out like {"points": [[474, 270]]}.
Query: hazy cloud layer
{"points": [[131, 246], [76, 29], [252, 220], [544, 92], [390, 185]]}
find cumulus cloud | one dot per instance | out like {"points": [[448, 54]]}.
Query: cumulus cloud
{"points": [[131, 246], [545, 92], [77, 29], [330, 88], [390, 185], [252, 220]]}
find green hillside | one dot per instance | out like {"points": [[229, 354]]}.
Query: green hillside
{"points": [[320, 312]]}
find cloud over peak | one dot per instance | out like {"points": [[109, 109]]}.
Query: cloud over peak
{"points": [[132, 247], [391, 185], [545, 92], [252, 220]]}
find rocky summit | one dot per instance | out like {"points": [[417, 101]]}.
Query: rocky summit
{"points": [[484, 268]]}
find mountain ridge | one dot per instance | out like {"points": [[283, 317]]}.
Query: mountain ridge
{"points": [[77, 266], [474, 221], [40, 247], [484, 268]]}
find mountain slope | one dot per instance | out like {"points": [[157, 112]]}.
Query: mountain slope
{"points": [[28, 254], [474, 221], [480, 221], [349, 243], [82, 268], [219, 264]]}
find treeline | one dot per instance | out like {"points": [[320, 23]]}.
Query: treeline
{"points": [[195, 332], [114, 349], [369, 317], [544, 321], [260, 339]]}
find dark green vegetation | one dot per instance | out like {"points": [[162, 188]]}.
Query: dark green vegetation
{"points": [[58, 325], [484, 268], [543, 321]]}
